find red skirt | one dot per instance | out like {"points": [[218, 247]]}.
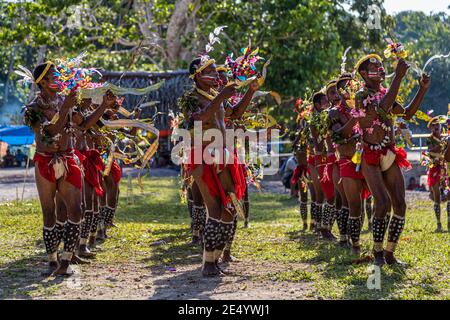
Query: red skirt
{"points": [[44, 162], [300, 171], [211, 178], [116, 172], [347, 169], [434, 175], [325, 169], [93, 165], [373, 157]]}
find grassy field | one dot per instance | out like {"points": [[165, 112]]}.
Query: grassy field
{"points": [[154, 232]]}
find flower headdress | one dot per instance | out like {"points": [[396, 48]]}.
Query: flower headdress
{"points": [[205, 59]]}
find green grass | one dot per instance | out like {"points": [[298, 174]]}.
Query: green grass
{"points": [[274, 238]]}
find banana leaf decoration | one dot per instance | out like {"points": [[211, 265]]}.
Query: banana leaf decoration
{"points": [[96, 93]]}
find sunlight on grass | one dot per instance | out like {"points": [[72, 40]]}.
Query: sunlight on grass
{"points": [[154, 231]]}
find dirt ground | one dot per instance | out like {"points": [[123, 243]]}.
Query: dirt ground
{"points": [[136, 280]]}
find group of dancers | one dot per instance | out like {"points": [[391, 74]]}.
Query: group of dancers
{"points": [[345, 149], [78, 188], [347, 154]]}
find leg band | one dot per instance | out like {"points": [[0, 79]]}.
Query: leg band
{"points": [[437, 212], [379, 229], [342, 222], [395, 230], [354, 229], [313, 212], [71, 235], [326, 215], [87, 224], [304, 211], [51, 239], [210, 234]]}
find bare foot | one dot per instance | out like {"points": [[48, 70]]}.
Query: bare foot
{"points": [[101, 235], [64, 269], [246, 223], [327, 235], [77, 260], [51, 267], [227, 257], [195, 241], [84, 252], [210, 270], [91, 242], [305, 227], [379, 258], [392, 261]]}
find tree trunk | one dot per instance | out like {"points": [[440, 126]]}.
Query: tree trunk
{"points": [[175, 29]]}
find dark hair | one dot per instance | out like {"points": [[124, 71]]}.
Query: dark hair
{"points": [[37, 72], [317, 97], [343, 78], [193, 66], [364, 65]]}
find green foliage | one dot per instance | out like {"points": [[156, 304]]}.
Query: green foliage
{"points": [[305, 38]]}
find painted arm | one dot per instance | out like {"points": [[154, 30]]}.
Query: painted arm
{"points": [[58, 127], [388, 101], [412, 108], [239, 108]]}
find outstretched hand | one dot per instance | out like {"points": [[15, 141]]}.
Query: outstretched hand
{"points": [[70, 100], [229, 91], [402, 68], [109, 99], [424, 81], [254, 85]]}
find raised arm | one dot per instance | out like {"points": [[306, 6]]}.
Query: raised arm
{"points": [[214, 105], [58, 126], [239, 108], [412, 108], [108, 102], [387, 102]]}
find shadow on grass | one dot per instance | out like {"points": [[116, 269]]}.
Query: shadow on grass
{"points": [[337, 263], [168, 257], [20, 278]]}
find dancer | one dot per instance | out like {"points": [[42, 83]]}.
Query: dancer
{"points": [[56, 165], [436, 167], [300, 177], [381, 160], [347, 141], [92, 166], [323, 182], [218, 183]]}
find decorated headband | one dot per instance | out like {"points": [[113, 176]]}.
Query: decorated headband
{"points": [[331, 84], [437, 119], [27, 75], [316, 94], [222, 68], [368, 57], [202, 66], [205, 59]]}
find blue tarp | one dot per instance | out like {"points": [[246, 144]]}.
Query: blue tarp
{"points": [[16, 135]]}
